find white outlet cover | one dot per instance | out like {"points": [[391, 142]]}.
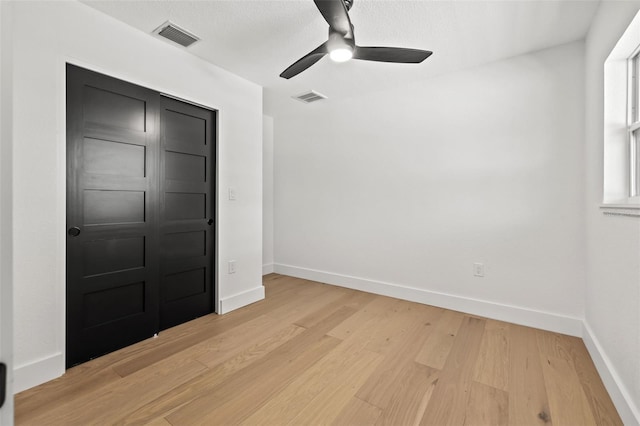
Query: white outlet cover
{"points": [[478, 269]]}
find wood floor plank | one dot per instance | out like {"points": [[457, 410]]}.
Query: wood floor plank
{"points": [[180, 395], [317, 309], [376, 390], [324, 408], [278, 371], [528, 403], [219, 349], [357, 412], [334, 367], [487, 406], [408, 400], [553, 344], [359, 299], [77, 383], [312, 298], [184, 336], [567, 402], [257, 351], [113, 402], [219, 346], [238, 398], [447, 405], [160, 421], [379, 310], [435, 350], [406, 316], [492, 367], [602, 407]]}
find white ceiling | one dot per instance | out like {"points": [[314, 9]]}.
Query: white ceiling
{"points": [[258, 39]]}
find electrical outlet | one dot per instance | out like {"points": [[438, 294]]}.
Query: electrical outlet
{"points": [[232, 266], [232, 194], [478, 269]]}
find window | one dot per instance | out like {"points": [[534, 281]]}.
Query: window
{"points": [[622, 121]]}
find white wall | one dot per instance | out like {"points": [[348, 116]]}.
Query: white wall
{"points": [[403, 191], [267, 194], [6, 231], [46, 35], [612, 316]]}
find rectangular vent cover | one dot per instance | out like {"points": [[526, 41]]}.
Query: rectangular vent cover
{"points": [[309, 97], [172, 32]]}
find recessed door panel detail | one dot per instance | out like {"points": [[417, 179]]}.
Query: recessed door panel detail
{"points": [[185, 167], [114, 109], [184, 284], [184, 245], [113, 158], [112, 207], [113, 304], [184, 133], [113, 255], [184, 206]]}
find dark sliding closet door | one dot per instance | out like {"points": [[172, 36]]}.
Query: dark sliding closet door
{"points": [[112, 191], [139, 196], [186, 212]]}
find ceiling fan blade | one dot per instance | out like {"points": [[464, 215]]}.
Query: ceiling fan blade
{"points": [[305, 62], [336, 14], [391, 54]]}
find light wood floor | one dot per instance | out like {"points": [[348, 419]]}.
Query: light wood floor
{"points": [[314, 354]]}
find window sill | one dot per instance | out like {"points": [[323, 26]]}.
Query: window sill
{"points": [[621, 209]]}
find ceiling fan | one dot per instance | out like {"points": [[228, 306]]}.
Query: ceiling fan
{"points": [[341, 45]]}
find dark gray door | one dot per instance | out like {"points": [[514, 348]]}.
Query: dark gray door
{"points": [[112, 221], [139, 196], [186, 212]]}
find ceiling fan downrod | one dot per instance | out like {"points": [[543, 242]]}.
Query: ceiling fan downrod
{"points": [[348, 4]]}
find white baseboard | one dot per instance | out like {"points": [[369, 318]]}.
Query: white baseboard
{"points": [[267, 269], [37, 372], [239, 300], [628, 409], [515, 314]]}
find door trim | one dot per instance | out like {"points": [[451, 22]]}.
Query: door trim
{"points": [[6, 207]]}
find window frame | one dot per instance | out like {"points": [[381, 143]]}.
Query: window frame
{"points": [[633, 123], [621, 125]]}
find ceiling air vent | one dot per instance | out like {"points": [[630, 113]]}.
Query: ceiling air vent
{"points": [[172, 32], [309, 97]]}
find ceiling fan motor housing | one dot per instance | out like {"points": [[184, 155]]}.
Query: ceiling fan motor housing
{"points": [[337, 40]]}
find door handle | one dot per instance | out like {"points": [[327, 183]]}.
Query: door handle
{"points": [[3, 383], [210, 222], [74, 232]]}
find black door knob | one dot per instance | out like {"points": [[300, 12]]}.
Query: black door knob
{"points": [[3, 383], [210, 222], [74, 232]]}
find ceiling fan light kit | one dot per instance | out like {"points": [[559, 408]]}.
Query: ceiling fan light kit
{"points": [[341, 45], [340, 49]]}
